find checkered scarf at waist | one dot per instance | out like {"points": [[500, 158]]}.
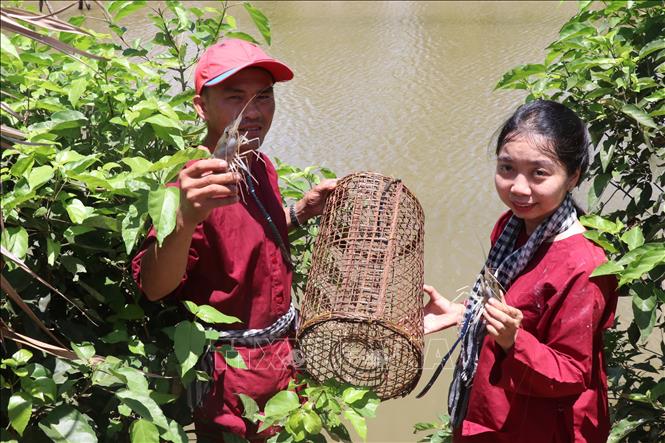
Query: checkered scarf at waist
{"points": [[198, 389]]}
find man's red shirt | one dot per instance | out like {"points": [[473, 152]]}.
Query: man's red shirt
{"points": [[235, 266]]}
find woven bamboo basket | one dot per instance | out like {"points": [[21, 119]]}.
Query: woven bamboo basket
{"points": [[361, 315]]}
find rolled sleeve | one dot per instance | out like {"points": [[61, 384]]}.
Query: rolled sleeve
{"points": [[561, 365], [151, 238]]}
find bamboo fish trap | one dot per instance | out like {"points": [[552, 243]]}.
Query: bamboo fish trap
{"points": [[361, 314]]}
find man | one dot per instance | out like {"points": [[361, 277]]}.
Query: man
{"points": [[232, 252]]}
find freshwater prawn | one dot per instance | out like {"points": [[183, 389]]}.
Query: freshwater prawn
{"points": [[489, 287], [228, 148]]}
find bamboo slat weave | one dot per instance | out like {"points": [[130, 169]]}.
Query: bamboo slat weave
{"points": [[361, 315]]}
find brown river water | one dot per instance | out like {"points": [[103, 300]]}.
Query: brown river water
{"points": [[406, 89]]}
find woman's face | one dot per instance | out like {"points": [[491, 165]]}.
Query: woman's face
{"points": [[529, 182]]}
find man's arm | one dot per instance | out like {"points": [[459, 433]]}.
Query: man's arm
{"points": [[312, 203], [205, 185]]}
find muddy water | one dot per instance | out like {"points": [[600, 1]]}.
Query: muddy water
{"points": [[406, 89]]}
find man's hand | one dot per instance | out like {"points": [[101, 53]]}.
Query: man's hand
{"points": [[440, 313], [503, 322], [312, 203], [205, 185]]}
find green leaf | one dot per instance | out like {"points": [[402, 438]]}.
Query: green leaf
{"points": [[146, 407], [22, 165], [657, 391], [15, 240], [138, 165], [85, 351], [422, 426], [260, 21], [600, 240], [241, 36], [131, 311], [367, 406], [281, 404], [575, 29], [68, 119], [163, 207], [176, 433], [78, 212], [606, 154], [652, 46], [519, 74], [183, 20], [295, 426], [601, 224], [163, 122], [103, 222], [639, 115], [38, 176], [22, 356], [607, 269], [188, 341], [211, 315], [136, 346], [643, 263], [191, 306], [52, 251], [43, 388], [134, 379], [312, 422], [351, 394], [232, 357], [19, 410], [250, 408], [644, 308], [623, 427], [76, 88], [64, 424], [178, 159], [8, 48], [358, 422], [127, 8], [597, 188], [132, 225], [633, 238], [73, 265], [143, 431]]}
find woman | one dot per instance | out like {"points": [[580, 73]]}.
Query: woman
{"points": [[531, 367]]}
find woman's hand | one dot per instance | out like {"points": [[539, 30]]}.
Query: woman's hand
{"points": [[503, 322], [440, 313]]}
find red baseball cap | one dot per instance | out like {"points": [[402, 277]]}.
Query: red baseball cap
{"points": [[221, 60]]}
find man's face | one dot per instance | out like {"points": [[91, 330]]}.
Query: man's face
{"points": [[221, 104]]}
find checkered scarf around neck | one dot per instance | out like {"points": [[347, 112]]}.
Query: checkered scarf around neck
{"points": [[508, 265]]}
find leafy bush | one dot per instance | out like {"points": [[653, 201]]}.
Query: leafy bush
{"points": [[441, 430], [90, 141], [322, 409]]}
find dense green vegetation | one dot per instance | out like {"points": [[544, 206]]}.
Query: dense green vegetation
{"points": [[92, 132]]}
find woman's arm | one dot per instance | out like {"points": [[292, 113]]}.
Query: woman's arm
{"points": [[560, 363], [440, 313]]}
